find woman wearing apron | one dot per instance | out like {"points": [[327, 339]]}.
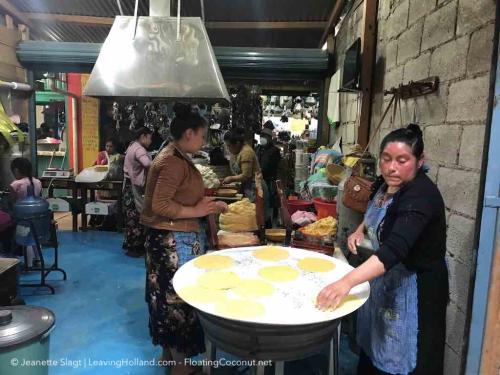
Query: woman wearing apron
{"points": [[174, 203], [137, 161], [402, 326]]}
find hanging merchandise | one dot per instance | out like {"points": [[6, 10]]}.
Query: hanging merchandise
{"points": [[117, 115], [247, 110], [132, 115]]}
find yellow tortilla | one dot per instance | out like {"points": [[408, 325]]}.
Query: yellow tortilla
{"points": [[315, 265], [240, 309], [196, 293], [253, 288], [279, 273], [214, 262], [218, 280], [271, 253]]}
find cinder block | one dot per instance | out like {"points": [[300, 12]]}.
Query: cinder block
{"points": [[481, 48], [459, 281], [439, 26], [398, 20], [393, 77], [460, 190], [452, 362], [474, 13], [449, 61], [472, 147], [419, 8], [409, 42], [391, 51], [468, 100], [418, 68], [460, 238], [455, 327], [441, 143], [431, 109]]}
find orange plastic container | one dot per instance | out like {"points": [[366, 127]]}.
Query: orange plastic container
{"points": [[295, 205], [325, 208]]}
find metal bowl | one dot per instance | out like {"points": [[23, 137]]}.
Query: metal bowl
{"points": [[267, 342]]}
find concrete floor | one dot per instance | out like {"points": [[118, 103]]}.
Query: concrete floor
{"points": [[101, 313]]}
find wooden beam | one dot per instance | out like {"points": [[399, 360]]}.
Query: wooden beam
{"points": [[266, 25], [368, 50], [490, 358], [107, 21], [332, 20], [81, 20], [12, 11]]}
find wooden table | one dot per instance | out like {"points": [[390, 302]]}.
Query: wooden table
{"points": [[51, 183], [85, 188]]}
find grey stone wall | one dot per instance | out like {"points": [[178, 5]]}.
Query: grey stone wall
{"points": [[452, 39], [350, 105]]}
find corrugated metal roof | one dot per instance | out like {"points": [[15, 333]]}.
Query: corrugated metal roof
{"points": [[215, 11]]}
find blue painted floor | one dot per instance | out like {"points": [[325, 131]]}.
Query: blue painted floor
{"points": [[101, 314]]}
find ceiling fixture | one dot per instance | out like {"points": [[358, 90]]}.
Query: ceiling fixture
{"points": [[158, 57]]}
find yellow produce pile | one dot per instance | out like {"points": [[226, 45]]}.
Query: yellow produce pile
{"points": [[323, 227], [239, 217]]}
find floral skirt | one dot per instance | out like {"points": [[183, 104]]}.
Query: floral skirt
{"points": [[172, 322], [134, 231]]}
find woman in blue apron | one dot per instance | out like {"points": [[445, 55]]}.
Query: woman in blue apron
{"points": [[402, 326]]}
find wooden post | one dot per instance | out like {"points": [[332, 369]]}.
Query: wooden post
{"points": [[25, 31], [9, 22], [368, 48]]}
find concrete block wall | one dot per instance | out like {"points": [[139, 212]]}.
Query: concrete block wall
{"points": [[452, 39], [350, 104]]}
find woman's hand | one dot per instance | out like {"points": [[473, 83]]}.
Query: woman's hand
{"points": [[206, 206], [331, 295], [227, 180], [355, 240], [222, 206]]}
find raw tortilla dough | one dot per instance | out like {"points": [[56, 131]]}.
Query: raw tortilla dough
{"points": [[213, 262], [218, 280], [253, 288], [240, 309], [196, 293], [278, 273], [315, 265], [349, 303], [271, 253]]}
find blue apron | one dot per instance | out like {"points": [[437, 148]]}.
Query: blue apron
{"points": [[388, 321], [185, 241]]}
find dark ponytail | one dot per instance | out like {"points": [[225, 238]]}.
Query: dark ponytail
{"points": [[24, 168], [186, 117], [411, 136]]}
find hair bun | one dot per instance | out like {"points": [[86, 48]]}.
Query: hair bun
{"points": [[415, 129], [182, 110]]}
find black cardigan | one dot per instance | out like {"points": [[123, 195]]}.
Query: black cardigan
{"points": [[414, 228]]}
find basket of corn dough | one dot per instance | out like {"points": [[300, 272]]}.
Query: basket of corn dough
{"points": [[265, 284]]}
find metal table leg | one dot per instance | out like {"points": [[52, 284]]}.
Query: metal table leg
{"points": [[333, 361], [211, 353], [279, 368]]}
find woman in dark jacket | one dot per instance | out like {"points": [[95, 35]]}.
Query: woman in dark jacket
{"points": [[402, 326]]}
